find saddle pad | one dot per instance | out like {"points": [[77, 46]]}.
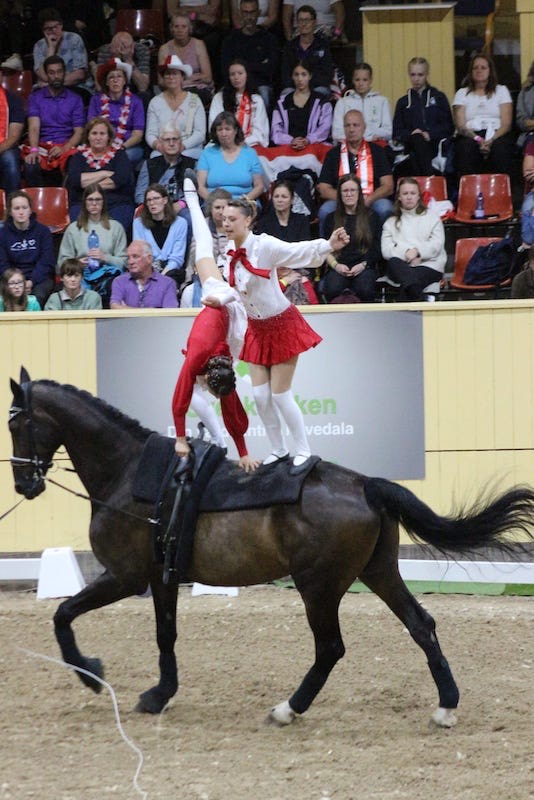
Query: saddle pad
{"points": [[233, 489], [157, 457]]}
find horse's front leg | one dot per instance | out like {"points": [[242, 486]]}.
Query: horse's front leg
{"points": [[154, 700], [322, 612], [101, 592]]}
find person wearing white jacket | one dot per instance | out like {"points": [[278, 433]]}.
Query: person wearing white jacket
{"points": [[374, 107], [413, 243], [237, 96]]}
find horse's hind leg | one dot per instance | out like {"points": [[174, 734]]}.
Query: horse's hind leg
{"points": [[383, 578], [154, 700], [104, 590], [322, 612]]}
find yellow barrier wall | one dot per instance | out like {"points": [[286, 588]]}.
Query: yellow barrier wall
{"points": [[479, 396]]}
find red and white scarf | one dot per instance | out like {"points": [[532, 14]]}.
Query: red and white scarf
{"points": [[364, 165], [4, 115], [244, 113], [120, 130], [98, 162]]}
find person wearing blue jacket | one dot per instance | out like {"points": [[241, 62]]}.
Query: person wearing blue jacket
{"points": [[422, 118], [27, 245]]}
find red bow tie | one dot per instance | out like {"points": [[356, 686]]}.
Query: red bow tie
{"points": [[240, 255]]}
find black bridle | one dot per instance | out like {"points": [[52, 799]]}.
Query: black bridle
{"points": [[40, 465]]}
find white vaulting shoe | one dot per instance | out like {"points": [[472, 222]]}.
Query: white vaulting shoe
{"points": [[299, 460], [273, 458], [190, 181]]}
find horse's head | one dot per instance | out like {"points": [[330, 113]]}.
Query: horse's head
{"points": [[33, 447]]}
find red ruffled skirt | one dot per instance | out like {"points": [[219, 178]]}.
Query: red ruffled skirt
{"points": [[277, 339]]}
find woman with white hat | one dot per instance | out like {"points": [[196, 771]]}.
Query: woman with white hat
{"points": [[123, 108], [176, 105]]}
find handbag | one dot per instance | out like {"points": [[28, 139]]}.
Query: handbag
{"points": [[491, 264]]}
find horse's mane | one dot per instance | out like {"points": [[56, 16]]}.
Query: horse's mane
{"points": [[111, 413]]}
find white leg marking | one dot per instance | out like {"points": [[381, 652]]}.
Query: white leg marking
{"points": [[283, 714], [444, 717]]}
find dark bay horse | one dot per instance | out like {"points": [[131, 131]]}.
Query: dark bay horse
{"points": [[344, 527]]}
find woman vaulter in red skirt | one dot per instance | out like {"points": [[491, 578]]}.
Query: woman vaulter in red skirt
{"points": [[277, 333]]}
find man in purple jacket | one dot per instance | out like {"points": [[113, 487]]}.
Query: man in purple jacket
{"points": [[142, 286]]}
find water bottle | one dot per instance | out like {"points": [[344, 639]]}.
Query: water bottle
{"points": [[93, 241], [479, 210]]}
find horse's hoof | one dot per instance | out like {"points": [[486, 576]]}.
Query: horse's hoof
{"points": [[151, 702], [282, 714], [95, 666], [444, 717]]}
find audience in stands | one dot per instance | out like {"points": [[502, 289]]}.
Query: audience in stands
{"points": [[73, 296], [165, 232], [93, 216], [56, 117], [367, 160], [269, 14], [142, 286], [68, 45], [483, 118], [303, 116], [330, 17], [285, 224], [524, 112], [312, 47], [190, 51], [413, 243], [136, 54], [257, 47], [228, 163], [27, 245], [238, 96], [422, 118], [124, 109], [175, 105], [14, 294], [12, 119], [98, 160], [374, 107], [352, 270]]}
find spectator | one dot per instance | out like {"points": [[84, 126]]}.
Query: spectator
{"points": [[57, 42], [374, 107], [142, 286], [73, 296], [523, 282], [364, 159], [311, 46], [257, 47], [98, 160], [528, 175], [136, 54], [283, 223], [354, 268], [422, 118], [14, 295], [27, 244], [93, 216], [413, 242], [166, 233], [214, 210], [229, 163], [11, 126], [190, 51], [330, 16], [12, 44], [168, 170], [56, 117], [524, 113], [269, 14], [124, 109], [483, 118], [303, 116], [175, 105], [238, 97]]}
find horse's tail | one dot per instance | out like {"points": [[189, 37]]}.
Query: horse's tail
{"points": [[488, 523]]}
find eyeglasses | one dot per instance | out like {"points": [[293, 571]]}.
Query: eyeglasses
{"points": [[51, 27], [304, 20], [12, 284], [155, 199]]}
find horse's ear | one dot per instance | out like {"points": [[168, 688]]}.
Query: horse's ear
{"points": [[18, 394], [24, 375]]}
